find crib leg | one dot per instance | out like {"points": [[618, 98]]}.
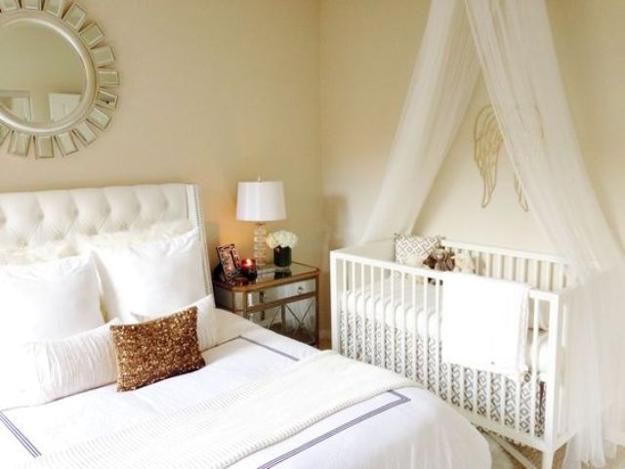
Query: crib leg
{"points": [[547, 461]]}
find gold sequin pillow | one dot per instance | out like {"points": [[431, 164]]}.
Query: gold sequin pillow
{"points": [[154, 350]]}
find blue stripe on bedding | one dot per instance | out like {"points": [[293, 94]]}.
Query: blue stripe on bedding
{"points": [[275, 350], [19, 436], [335, 431], [401, 399]]}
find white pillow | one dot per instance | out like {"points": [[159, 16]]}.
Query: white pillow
{"points": [[42, 253], [206, 321], [46, 301], [122, 239], [40, 372], [230, 325], [164, 275]]}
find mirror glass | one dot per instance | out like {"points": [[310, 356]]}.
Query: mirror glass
{"points": [[42, 78]]}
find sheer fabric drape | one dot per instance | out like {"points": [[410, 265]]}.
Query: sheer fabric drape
{"points": [[440, 91], [514, 46]]}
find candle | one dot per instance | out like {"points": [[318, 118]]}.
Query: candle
{"points": [[248, 268]]}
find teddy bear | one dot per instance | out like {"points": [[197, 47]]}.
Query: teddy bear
{"points": [[440, 259], [464, 263]]}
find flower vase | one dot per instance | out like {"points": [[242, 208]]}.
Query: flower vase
{"points": [[282, 256]]}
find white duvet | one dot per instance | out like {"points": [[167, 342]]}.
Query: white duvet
{"points": [[407, 428]]}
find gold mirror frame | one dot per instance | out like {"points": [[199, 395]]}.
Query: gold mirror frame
{"points": [[60, 138]]}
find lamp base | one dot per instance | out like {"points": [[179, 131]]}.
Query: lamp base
{"points": [[260, 244]]}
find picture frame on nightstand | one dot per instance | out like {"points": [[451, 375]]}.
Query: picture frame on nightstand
{"points": [[230, 260]]}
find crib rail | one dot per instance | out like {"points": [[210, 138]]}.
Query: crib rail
{"points": [[389, 315], [541, 271]]}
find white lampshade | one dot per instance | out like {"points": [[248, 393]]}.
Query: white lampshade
{"points": [[261, 201]]}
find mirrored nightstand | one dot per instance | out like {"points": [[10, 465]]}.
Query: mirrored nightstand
{"points": [[285, 301]]}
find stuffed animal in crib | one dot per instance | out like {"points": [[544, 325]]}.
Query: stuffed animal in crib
{"points": [[440, 259], [464, 263]]}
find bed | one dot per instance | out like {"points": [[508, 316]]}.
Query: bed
{"points": [[400, 427]]}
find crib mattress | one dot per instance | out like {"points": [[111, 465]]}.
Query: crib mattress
{"points": [[414, 309]]}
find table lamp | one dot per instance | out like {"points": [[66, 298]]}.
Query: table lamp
{"points": [[260, 202]]}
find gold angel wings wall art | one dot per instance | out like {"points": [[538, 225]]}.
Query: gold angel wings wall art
{"points": [[487, 141]]}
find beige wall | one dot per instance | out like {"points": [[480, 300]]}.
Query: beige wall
{"points": [[368, 49], [367, 54], [212, 92]]}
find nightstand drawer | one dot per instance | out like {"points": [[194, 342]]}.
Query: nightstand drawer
{"points": [[225, 299]]}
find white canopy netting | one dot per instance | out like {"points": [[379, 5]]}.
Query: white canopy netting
{"points": [[510, 42]]}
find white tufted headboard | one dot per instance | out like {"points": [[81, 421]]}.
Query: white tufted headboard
{"points": [[29, 219]]}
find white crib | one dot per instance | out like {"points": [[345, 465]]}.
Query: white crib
{"points": [[388, 314]]}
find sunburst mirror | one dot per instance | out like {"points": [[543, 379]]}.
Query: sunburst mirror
{"points": [[56, 81]]}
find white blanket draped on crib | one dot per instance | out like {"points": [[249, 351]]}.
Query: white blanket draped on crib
{"points": [[485, 323], [222, 431]]}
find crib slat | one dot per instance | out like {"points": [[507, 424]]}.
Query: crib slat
{"points": [[462, 387], [517, 404], [343, 345], [371, 315], [426, 335], [404, 313], [502, 409], [383, 319], [533, 273], [415, 331], [394, 317], [364, 312], [450, 384], [513, 269], [488, 397], [374, 314], [437, 322], [475, 379], [563, 279], [534, 365], [355, 313], [550, 276]]}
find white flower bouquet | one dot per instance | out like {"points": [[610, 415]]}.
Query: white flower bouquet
{"points": [[283, 239]]}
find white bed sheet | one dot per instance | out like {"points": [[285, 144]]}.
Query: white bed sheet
{"points": [[403, 314], [409, 428]]}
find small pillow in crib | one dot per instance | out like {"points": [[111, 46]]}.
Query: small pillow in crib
{"points": [[155, 350], [413, 250]]}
